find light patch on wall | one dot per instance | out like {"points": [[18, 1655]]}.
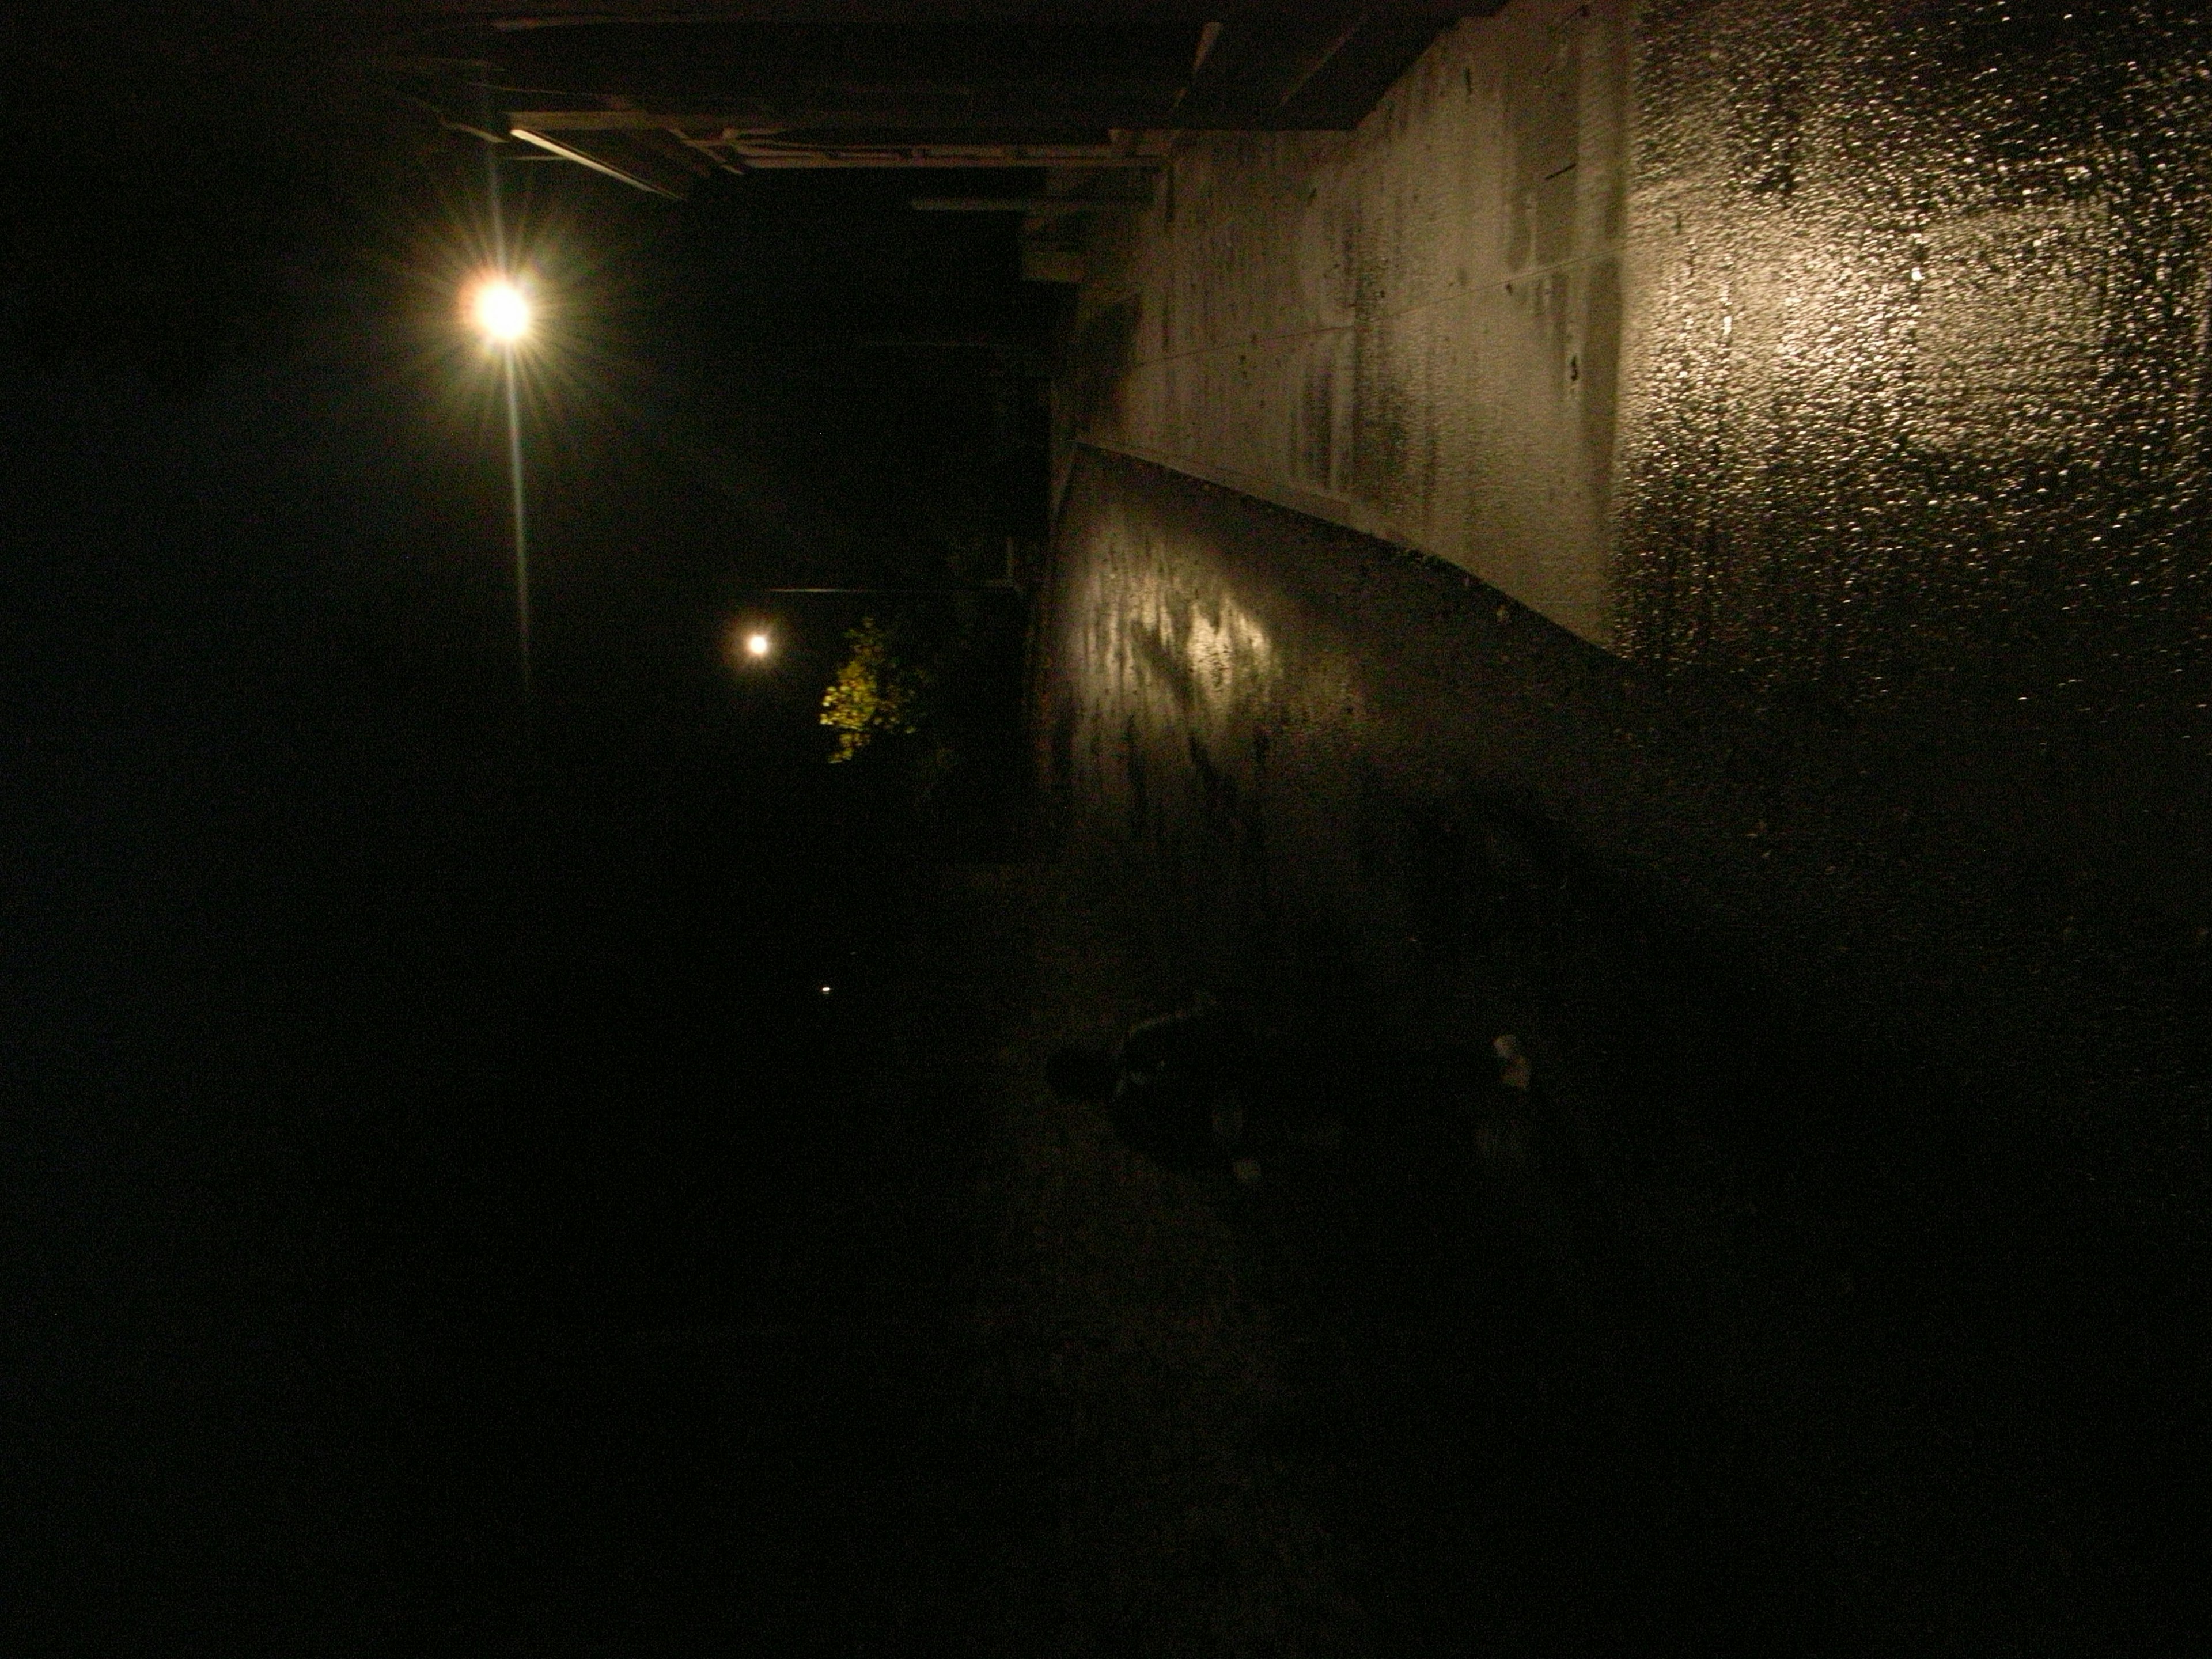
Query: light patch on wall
{"points": [[1225, 644], [1157, 636]]}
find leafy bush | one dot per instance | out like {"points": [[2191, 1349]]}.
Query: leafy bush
{"points": [[876, 694]]}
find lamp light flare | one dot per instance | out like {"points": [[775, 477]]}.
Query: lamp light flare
{"points": [[757, 645], [500, 310]]}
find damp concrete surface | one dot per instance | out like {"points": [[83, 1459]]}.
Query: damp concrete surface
{"points": [[1860, 1212]]}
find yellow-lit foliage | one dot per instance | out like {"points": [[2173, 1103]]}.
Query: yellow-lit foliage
{"points": [[874, 695]]}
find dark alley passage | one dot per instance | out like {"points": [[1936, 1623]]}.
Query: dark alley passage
{"points": [[1283, 830], [544, 1270]]}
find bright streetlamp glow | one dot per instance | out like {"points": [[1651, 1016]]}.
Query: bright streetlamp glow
{"points": [[757, 645], [501, 310]]}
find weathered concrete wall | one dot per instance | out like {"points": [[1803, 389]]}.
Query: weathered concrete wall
{"points": [[1820, 341], [1845, 1036], [1914, 382], [1410, 329]]}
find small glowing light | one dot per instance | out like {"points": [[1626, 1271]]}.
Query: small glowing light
{"points": [[500, 310], [757, 645], [825, 990]]}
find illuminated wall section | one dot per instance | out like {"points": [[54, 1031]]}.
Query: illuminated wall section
{"points": [[1800, 338]]}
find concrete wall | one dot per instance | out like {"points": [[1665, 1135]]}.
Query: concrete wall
{"points": [[1914, 379], [1800, 338], [1410, 329]]}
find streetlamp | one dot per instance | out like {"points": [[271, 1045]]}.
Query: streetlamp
{"points": [[749, 642], [501, 312]]}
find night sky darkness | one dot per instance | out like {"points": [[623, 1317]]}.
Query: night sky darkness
{"points": [[260, 501], [361, 1029]]}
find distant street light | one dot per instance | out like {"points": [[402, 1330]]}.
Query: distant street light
{"points": [[501, 312], [749, 642]]}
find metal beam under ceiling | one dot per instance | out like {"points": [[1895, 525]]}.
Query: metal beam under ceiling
{"points": [[660, 97]]}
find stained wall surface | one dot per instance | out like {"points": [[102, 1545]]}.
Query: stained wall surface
{"points": [[1823, 342]]}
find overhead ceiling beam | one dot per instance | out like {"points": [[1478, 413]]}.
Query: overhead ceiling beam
{"points": [[1300, 73], [933, 83], [1013, 108], [523, 16], [1043, 205], [634, 159], [746, 154]]}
